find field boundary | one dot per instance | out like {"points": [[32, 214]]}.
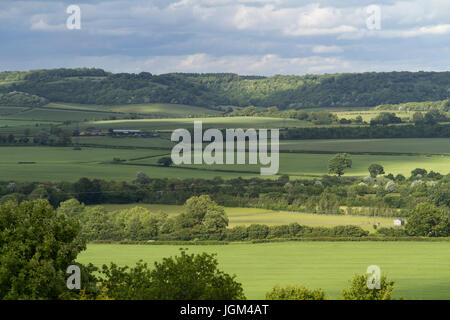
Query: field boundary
{"points": [[275, 240]]}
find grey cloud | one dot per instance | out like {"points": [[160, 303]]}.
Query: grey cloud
{"points": [[255, 36]]}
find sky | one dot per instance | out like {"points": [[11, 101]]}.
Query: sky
{"points": [[248, 37]]}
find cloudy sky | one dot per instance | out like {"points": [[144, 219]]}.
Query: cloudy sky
{"points": [[255, 37]]}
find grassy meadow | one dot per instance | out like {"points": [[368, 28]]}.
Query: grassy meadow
{"points": [[174, 110], [298, 165], [419, 269], [67, 164], [413, 145], [188, 123]]}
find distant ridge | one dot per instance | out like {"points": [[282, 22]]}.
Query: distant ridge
{"points": [[96, 86]]}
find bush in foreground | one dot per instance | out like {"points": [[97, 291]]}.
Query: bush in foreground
{"points": [[183, 277], [295, 293], [36, 247], [359, 289]]}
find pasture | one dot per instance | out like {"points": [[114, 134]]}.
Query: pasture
{"points": [[420, 269], [188, 123], [315, 165], [132, 142], [173, 110], [248, 216], [369, 114], [66, 164], [436, 146], [167, 109], [412, 145], [49, 114]]}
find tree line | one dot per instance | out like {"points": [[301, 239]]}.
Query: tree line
{"points": [[95, 86], [368, 132], [377, 194]]}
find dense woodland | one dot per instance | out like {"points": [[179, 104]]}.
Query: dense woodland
{"points": [[368, 132], [95, 86]]}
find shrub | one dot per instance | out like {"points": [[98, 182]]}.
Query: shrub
{"points": [[183, 277], [359, 289], [257, 231], [390, 187], [295, 293], [279, 231], [427, 220], [392, 232], [237, 233]]}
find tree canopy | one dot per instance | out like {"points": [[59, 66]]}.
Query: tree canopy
{"points": [[339, 163], [359, 290], [427, 220], [95, 86], [36, 247]]}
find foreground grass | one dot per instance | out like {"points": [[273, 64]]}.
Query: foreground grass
{"points": [[420, 269]]}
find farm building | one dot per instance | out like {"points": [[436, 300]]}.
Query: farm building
{"points": [[122, 131], [91, 132]]}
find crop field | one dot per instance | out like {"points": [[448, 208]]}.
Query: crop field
{"points": [[60, 112], [6, 123], [436, 146], [311, 161], [315, 165], [64, 163], [420, 269], [173, 110], [188, 123], [132, 142], [5, 111], [248, 216], [420, 146], [62, 115], [367, 115]]}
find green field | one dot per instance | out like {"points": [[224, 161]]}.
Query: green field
{"points": [[60, 112], [188, 123], [66, 164], [154, 142], [6, 111], [413, 145], [168, 109], [368, 115], [48, 114], [310, 161], [247, 216], [420, 269], [174, 110], [315, 165]]}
